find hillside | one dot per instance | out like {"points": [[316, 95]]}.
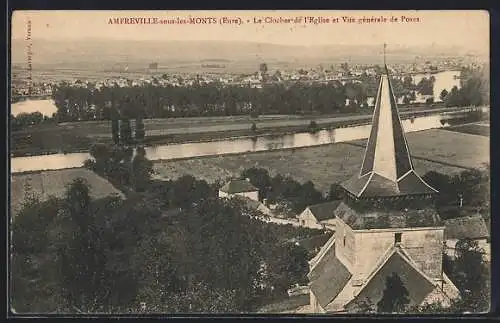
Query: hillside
{"points": [[101, 53]]}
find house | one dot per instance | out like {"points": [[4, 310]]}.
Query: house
{"points": [[241, 187], [319, 216], [385, 225], [471, 227]]}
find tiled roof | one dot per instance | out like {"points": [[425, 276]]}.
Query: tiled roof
{"points": [[238, 186], [328, 278], [417, 284], [383, 219], [324, 211], [472, 227], [387, 169]]}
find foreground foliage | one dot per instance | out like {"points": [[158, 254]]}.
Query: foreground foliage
{"points": [[201, 254]]}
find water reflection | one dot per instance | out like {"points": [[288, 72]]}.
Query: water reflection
{"points": [[445, 80], [240, 145]]}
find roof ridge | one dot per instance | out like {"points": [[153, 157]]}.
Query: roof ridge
{"points": [[322, 252]]}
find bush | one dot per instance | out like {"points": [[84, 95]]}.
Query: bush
{"points": [[313, 126], [139, 129], [254, 127]]}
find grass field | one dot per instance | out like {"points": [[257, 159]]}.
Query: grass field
{"points": [[479, 129], [439, 150], [54, 183], [448, 147]]}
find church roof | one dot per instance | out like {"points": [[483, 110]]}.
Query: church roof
{"points": [[324, 211], [328, 277], [384, 219], [387, 168], [238, 186], [416, 282]]}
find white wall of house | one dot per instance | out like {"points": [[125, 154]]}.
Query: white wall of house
{"points": [[307, 219], [254, 195]]}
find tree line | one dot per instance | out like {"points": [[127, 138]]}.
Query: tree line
{"points": [[290, 196], [469, 189], [217, 99]]}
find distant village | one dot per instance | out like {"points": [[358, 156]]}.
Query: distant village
{"points": [[215, 73]]}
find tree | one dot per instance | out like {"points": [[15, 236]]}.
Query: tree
{"points": [[263, 67], [336, 192], [364, 306], [82, 257], [286, 267], [426, 86], [260, 178], [34, 285], [412, 96], [395, 297], [125, 131], [139, 129], [263, 71], [115, 126], [313, 126], [471, 275], [454, 98], [197, 299], [142, 168], [408, 82], [443, 95]]}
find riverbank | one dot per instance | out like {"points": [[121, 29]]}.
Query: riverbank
{"points": [[77, 137], [442, 150], [438, 150]]}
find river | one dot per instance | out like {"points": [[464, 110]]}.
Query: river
{"points": [[445, 80], [239, 145]]}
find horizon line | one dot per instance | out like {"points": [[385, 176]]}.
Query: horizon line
{"points": [[397, 45]]}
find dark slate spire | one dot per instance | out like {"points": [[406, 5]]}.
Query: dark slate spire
{"points": [[387, 168]]}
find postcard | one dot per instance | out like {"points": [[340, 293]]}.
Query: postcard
{"points": [[262, 162]]}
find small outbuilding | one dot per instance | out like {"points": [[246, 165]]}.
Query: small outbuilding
{"points": [[240, 187]]}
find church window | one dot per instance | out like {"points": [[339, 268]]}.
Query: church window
{"points": [[397, 238]]}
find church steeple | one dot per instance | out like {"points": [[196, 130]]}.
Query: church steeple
{"points": [[387, 168]]}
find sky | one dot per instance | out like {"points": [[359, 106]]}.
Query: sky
{"points": [[465, 28]]}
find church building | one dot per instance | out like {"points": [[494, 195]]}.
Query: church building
{"points": [[385, 225]]}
